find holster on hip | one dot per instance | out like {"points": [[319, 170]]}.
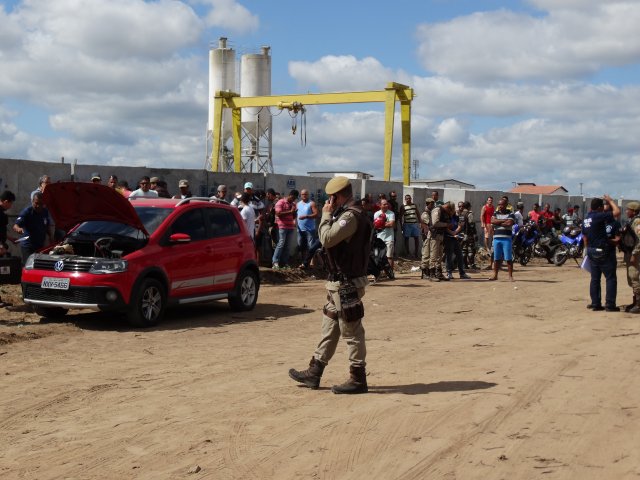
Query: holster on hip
{"points": [[351, 306], [333, 315]]}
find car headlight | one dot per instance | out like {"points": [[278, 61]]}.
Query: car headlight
{"points": [[109, 266], [30, 261]]}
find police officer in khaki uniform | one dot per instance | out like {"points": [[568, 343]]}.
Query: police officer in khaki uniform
{"points": [[345, 234], [425, 266], [632, 258], [440, 219]]}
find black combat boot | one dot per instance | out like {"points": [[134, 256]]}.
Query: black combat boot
{"points": [[357, 382], [433, 276], [311, 376], [633, 304], [425, 273], [636, 307], [441, 276]]}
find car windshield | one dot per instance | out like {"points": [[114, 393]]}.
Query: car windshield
{"points": [[151, 218]]}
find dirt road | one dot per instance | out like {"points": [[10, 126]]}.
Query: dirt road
{"points": [[468, 379]]}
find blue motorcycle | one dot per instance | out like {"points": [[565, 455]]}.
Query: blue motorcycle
{"points": [[572, 246], [524, 240]]}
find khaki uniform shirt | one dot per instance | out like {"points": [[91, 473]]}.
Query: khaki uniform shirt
{"points": [[426, 221]]}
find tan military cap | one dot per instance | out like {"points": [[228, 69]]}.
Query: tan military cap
{"points": [[429, 200], [633, 206], [336, 184]]}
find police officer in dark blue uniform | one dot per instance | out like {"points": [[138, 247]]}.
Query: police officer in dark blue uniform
{"points": [[601, 253]]}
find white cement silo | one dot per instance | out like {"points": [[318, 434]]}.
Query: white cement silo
{"points": [[222, 76], [255, 75]]}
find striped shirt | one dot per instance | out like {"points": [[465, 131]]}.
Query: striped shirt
{"points": [[410, 213], [502, 231]]}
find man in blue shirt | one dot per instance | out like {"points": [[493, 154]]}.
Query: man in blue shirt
{"points": [[307, 232], [601, 253], [34, 225]]}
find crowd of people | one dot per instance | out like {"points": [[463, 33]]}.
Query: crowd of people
{"points": [[444, 235]]}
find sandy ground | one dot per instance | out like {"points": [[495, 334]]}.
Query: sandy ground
{"points": [[468, 379]]}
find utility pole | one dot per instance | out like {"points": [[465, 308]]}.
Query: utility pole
{"points": [[416, 164], [580, 188]]}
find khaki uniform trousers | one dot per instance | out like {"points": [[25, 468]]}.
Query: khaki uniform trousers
{"points": [[436, 249], [333, 328], [633, 274], [426, 252]]}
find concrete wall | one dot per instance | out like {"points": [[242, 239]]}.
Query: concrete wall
{"points": [[21, 177]]}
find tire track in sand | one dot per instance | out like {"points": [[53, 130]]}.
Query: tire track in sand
{"points": [[428, 467]]}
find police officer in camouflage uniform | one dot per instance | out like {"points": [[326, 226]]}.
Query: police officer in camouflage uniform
{"points": [[632, 258], [470, 237], [426, 225], [440, 219], [345, 234]]}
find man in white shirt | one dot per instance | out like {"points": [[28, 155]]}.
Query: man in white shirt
{"points": [[144, 190], [386, 234], [248, 214], [255, 202], [519, 214]]}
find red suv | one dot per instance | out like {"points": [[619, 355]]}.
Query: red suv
{"points": [[139, 256]]}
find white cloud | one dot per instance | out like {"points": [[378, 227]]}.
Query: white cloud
{"points": [[231, 15], [13, 142], [450, 132], [10, 33], [112, 76], [503, 45], [441, 96], [546, 152], [344, 73], [121, 85], [110, 30]]}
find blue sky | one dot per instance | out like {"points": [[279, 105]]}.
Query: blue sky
{"points": [[543, 91]]}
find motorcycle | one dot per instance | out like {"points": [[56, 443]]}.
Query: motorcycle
{"points": [[378, 261], [523, 241], [547, 244], [571, 246]]}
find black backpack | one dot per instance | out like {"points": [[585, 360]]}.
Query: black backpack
{"points": [[628, 239]]}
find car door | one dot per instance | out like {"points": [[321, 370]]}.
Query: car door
{"points": [[189, 264], [228, 244]]}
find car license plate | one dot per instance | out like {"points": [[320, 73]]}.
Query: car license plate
{"points": [[55, 283]]}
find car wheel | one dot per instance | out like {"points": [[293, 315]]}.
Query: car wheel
{"points": [[51, 312], [148, 305], [245, 296]]}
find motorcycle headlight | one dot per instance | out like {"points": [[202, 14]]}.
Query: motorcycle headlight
{"points": [[30, 261], [109, 266]]}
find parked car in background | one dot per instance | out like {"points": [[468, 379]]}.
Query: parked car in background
{"points": [[140, 256]]}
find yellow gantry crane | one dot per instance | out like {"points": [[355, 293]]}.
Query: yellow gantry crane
{"points": [[392, 93]]}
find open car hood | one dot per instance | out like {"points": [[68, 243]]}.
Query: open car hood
{"points": [[71, 203]]}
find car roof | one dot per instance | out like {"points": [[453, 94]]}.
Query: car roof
{"points": [[159, 202]]}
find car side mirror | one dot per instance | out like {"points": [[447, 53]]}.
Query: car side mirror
{"points": [[179, 238]]}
